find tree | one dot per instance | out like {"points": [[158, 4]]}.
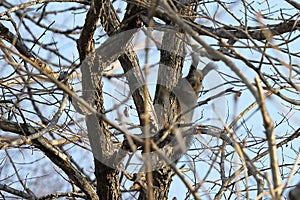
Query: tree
{"points": [[80, 114]]}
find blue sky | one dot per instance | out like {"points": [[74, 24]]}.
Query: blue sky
{"points": [[223, 109]]}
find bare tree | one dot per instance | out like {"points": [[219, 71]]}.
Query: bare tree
{"points": [[133, 100]]}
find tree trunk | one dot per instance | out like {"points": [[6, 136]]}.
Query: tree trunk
{"points": [[166, 104]]}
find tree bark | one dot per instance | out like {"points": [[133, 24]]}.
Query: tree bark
{"points": [[169, 73], [108, 186]]}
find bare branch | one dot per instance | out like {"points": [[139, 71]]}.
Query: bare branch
{"points": [[13, 191], [270, 134]]}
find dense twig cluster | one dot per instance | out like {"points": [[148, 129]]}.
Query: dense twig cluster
{"points": [[77, 111]]}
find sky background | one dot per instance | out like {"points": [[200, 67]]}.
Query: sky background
{"points": [[216, 113]]}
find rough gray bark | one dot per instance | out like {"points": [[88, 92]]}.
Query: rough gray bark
{"points": [[108, 186], [167, 105]]}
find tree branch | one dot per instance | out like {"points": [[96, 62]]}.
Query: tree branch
{"points": [[229, 32], [270, 135], [56, 156], [129, 60], [16, 192]]}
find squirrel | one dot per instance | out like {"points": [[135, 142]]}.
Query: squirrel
{"points": [[175, 141], [186, 93], [188, 89]]}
